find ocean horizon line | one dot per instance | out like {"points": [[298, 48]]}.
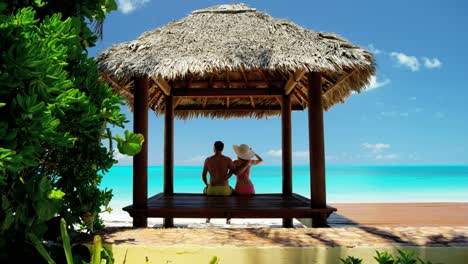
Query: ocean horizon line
{"points": [[330, 165]]}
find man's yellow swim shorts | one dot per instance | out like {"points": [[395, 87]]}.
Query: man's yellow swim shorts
{"points": [[218, 190]]}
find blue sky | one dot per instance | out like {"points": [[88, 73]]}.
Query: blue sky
{"points": [[414, 111]]}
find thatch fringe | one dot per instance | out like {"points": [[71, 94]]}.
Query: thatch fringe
{"points": [[236, 38]]}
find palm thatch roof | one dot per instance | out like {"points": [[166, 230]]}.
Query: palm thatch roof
{"points": [[235, 47]]}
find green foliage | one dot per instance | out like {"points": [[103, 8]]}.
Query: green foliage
{"points": [[66, 241], [404, 257], [384, 258], [98, 253], [214, 260], [351, 260], [131, 145], [54, 117], [41, 249]]}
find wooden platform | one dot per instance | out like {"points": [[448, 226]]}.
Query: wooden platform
{"points": [[188, 205]]}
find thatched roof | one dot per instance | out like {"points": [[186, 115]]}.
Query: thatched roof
{"points": [[234, 46]]}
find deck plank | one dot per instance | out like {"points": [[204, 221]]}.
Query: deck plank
{"points": [[256, 206]]}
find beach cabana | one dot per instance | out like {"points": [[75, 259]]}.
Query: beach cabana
{"points": [[233, 61]]}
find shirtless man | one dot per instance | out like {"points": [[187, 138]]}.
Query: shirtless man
{"points": [[219, 167]]}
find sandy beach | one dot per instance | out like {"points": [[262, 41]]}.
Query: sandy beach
{"points": [[349, 214]]}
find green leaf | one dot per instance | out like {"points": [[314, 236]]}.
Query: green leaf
{"points": [[39, 3], [40, 248], [46, 210], [2, 104], [66, 241], [44, 185], [96, 251], [55, 194], [8, 221], [131, 145], [214, 260], [5, 203]]}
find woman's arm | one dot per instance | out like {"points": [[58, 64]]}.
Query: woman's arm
{"points": [[231, 170], [258, 161]]}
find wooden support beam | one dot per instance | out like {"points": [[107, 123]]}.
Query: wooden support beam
{"points": [[317, 149], [163, 85], [241, 108], [302, 94], [227, 78], [225, 84], [227, 102], [205, 100], [140, 160], [299, 99], [210, 82], [286, 141], [160, 96], [169, 153], [278, 99], [153, 99], [294, 78], [177, 102], [221, 92], [327, 79], [244, 76], [252, 103]]}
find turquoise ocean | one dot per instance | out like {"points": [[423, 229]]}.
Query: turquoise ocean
{"points": [[345, 184]]}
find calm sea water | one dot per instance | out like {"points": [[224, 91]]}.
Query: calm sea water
{"points": [[344, 184]]}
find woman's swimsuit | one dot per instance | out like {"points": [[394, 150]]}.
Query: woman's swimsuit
{"points": [[243, 188]]}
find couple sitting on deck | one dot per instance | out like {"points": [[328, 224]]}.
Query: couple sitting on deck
{"points": [[221, 169]]}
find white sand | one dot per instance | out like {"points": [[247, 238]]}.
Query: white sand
{"points": [[119, 217]]}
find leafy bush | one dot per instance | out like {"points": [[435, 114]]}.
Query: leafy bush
{"points": [[54, 121], [384, 258], [98, 252], [404, 257], [351, 260]]}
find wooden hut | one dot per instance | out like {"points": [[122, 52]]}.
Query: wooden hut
{"points": [[234, 61]]}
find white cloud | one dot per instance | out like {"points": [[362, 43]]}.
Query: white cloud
{"points": [[376, 148], [128, 6], [197, 160], [374, 49], [122, 159], [439, 115], [297, 154], [407, 61], [432, 63], [386, 156], [275, 153], [374, 83]]}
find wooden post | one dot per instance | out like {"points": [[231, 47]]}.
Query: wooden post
{"points": [[140, 161], [286, 150], [317, 149], [169, 153]]}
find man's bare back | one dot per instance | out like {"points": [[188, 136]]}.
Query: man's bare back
{"points": [[218, 166]]}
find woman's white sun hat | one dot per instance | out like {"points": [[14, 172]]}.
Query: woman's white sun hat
{"points": [[244, 152]]}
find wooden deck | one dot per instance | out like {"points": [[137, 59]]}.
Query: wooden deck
{"points": [[188, 205]]}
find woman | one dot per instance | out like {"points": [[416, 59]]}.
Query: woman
{"points": [[242, 169]]}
